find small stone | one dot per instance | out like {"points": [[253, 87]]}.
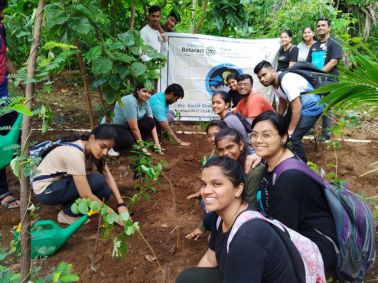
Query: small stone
{"points": [[189, 157], [150, 258]]}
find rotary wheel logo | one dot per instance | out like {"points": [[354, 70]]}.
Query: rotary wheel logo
{"points": [[210, 51], [216, 78]]}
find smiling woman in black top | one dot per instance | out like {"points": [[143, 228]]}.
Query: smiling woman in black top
{"points": [[294, 199]]}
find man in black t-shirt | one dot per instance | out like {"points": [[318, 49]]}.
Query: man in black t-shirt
{"points": [[325, 54]]}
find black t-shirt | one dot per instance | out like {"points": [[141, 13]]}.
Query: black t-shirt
{"points": [[235, 97], [321, 52], [299, 203], [285, 57], [256, 254]]}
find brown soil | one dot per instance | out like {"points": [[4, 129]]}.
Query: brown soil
{"points": [[166, 219]]}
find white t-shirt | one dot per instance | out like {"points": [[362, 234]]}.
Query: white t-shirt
{"points": [[293, 85], [303, 51], [151, 37]]}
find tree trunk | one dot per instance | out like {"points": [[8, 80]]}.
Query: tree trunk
{"points": [[24, 182], [132, 16], [85, 82], [203, 12], [193, 20]]}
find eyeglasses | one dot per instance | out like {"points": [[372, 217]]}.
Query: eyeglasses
{"points": [[263, 135]]}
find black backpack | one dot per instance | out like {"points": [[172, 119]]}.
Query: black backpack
{"points": [[312, 74], [243, 120]]}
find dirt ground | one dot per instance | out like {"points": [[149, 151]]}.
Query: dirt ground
{"points": [[166, 219]]}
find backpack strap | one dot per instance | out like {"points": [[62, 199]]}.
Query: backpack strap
{"points": [[44, 177], [297, 164], [282, 233]]}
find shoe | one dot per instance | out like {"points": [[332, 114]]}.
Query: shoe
{"points": [[321, 139], [112, 152]]}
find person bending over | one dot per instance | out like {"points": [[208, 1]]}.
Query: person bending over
{"points": [[160, 109], [293, 198], [133, 120], [256, 253], [61, 177]]}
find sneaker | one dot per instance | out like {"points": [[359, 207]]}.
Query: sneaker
{"points": [[112, 152], [321, 139]]}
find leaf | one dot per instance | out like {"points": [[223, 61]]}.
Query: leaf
{"points": [[93, 53], [52, 44], [125, 216], [135, 51], [75, 208], [95, 206], [110, 218], [81, 25], [127, 38], [123, 57], [23, 109], [69, 278], [101, 65], [138, 68], [83, 208]]}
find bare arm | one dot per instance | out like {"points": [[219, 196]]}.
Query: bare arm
{"points": [[165, 125], [162, 33], [282, 106], [208, 259], [114, 188], [296, 107], [83, 188], [330, 65], [10, 68], [134, 129]]}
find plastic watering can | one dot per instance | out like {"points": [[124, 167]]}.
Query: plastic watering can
{"points": [[8, 141], [47, 237]]}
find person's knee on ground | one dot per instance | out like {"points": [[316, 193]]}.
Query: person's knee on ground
{"points": [[99, 186]]}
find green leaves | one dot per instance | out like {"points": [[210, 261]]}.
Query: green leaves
{"points": [[93, 53], [127, 38], [101, 65], [80, 25]]}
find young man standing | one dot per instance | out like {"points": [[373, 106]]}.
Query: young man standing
{"points": [[172, 20], [325, 54], [6, 67], [152, 33], [160, 109], [301, 110], [252, 103]]}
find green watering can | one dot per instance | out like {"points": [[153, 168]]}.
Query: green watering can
{"points": [[8, 142], [47, 237]]}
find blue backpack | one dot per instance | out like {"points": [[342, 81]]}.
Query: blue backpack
{"points": [[355, 227], [42, 149]]}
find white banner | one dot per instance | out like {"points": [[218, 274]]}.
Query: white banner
{"points": [[201, 63]]}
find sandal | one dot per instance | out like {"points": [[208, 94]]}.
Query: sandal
{"points": [[11, 203], [63, 219]]}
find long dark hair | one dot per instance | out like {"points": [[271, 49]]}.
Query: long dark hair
{"points": [[236, 138], [231, 169], [101, 132]]}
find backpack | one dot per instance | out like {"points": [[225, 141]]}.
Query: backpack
{"points": [[304, 254], [39, 151], [312, 74], [355, 227], [243, 120]]}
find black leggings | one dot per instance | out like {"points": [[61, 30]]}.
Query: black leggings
{"points": [[125, 139], [64, 191], [200, 275]]}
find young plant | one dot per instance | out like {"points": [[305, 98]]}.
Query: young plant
{"points": [[146, 171], [120, 246]]}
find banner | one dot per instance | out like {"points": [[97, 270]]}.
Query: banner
{"points": [[201, 63]]}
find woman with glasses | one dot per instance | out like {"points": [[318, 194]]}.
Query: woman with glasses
{"points": [[292, 197]]}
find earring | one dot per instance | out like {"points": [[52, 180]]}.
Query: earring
{"points": [[282, 143]]}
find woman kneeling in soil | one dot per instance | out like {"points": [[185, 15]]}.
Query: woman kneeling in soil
{"points": [[61, 177], [134, 121], [294, 198], [256, 253]]}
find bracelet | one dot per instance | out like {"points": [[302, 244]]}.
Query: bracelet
{"points": [[121, 204]]}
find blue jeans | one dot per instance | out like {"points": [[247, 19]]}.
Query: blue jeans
{"points": [[64, 192], [305, 123]]}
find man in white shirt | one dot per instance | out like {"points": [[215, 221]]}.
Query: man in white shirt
{"points": [[152, 33]]}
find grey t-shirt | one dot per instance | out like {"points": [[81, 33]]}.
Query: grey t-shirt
{"points": [[130, 109]]}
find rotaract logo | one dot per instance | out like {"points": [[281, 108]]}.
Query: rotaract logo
{"points": [[216, 78]]}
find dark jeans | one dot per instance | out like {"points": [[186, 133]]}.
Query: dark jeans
{"points": [[305, 123], [5, 120], [64, 192], [125, 139], [200, 275]]}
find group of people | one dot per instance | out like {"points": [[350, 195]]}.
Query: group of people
{"points": [[248, 142]]}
